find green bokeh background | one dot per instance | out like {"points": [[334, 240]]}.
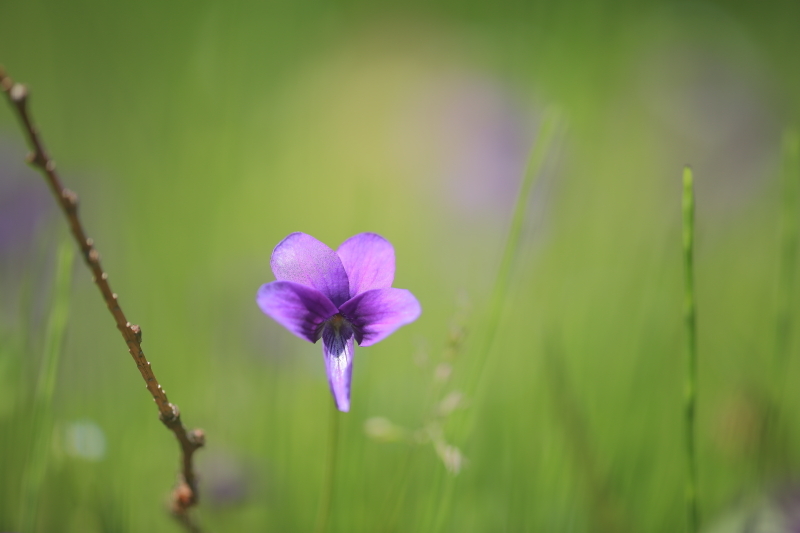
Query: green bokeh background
{"points": [[199, 134]]}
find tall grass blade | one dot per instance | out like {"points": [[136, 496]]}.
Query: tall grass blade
{"points": [[543, 144], [774, 440], [790, 188], [42, 417], [548, 131]]}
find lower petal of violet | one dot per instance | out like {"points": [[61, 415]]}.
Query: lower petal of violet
{"points": [[338, 347]]}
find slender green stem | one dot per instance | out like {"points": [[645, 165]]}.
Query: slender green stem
{"points": [[42, 419], [324, 514], [690, 325]]}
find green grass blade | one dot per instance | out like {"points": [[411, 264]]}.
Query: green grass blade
{"points": [[551, 123], [784, 315], [690, 326], [790, 175], [42, 418], [439, 509]]}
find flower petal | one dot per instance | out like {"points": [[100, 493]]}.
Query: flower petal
{"points": [[377, 313], [368, 260], [303, 259], [338, 349], [298, 308]]}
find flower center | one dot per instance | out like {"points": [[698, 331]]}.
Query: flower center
{"points": [[337, 321]]}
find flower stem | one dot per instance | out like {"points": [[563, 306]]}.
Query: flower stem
{"points": [[324, 514], [690, 325]]}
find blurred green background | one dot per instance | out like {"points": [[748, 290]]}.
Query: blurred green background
{"points": [[199, 134]]}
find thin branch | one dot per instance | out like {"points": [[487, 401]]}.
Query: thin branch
{"points": [[185, 494]]}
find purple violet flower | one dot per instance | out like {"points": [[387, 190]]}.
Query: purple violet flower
{"points": [[339, 297]]}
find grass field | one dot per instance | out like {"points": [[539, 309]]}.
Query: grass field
{"points": [[542, 388]]}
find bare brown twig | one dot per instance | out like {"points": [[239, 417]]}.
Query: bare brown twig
{"points": [[185, 494]]}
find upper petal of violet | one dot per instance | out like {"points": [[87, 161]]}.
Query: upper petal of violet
{"points": [[303, 259], [298, 308], [368, 260], [377, 313]]}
